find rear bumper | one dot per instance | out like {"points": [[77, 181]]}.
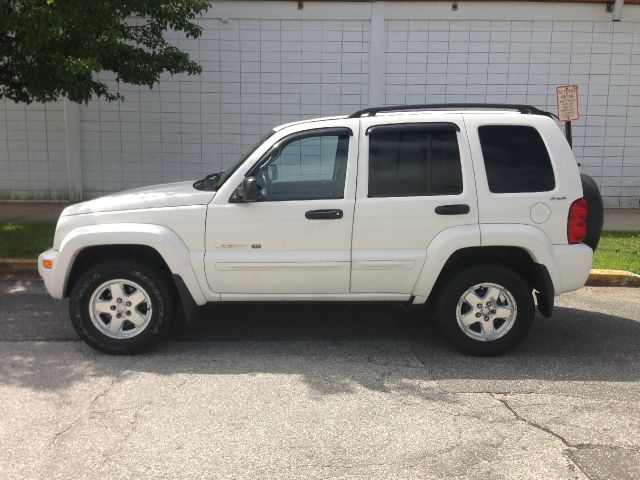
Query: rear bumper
{"points": [[54, 286], [573, 263]]}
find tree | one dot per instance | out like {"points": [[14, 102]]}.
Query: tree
{"points": [[54, 48]]}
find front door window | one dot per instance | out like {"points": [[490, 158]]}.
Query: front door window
{"points": [[309, 168]]}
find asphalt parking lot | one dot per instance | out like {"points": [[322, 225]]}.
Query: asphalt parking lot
{"points": [[308, 391]]}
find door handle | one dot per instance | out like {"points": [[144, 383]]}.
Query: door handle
{"points": [[331, 214], [452, 209]]}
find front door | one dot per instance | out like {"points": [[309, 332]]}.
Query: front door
{"points": [[296, 239]]}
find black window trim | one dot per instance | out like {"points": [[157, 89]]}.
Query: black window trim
{"points": [[302, 134], [412, 127]]}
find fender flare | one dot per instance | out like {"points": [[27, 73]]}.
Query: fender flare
{"points": [[162, 239], [530, 239], [443, 245]]}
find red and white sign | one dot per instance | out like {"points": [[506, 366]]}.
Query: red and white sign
{"points": [[567, 99]]}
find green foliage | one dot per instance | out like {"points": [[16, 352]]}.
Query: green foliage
{"points": [[54, 48], [25, 240], [618, 251]]}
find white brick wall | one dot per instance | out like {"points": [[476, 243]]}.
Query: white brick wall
{"points": [[256, 74], [523, 62], [32, 151], [267, 63]]}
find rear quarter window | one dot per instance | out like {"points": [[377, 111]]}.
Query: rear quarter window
{"points": [[516, 159]]}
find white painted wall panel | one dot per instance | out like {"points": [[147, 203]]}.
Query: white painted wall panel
{"points": [[265, 63], [32, 151], [256, 74], [523, 62]]}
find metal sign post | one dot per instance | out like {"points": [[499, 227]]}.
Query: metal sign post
{"points": [[567, 100]]}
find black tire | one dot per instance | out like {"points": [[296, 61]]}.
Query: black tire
{"points": [[595, 211], [160, 291], [458, 283]]}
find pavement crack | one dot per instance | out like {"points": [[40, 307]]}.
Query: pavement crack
{"points": [[132, 427], [574, 446], [134, 420], [427, 365], [622, 448], [530, 422], [89, 409], [64, 430], [569, 446]]}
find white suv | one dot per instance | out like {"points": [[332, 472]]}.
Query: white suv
{"points": [[476, 209]]}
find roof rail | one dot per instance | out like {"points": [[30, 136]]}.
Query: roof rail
{"points": [[528, 109]]}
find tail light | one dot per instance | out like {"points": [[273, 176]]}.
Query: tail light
{"points": [[576, 223]]}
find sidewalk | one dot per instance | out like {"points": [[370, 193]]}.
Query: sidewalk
{"points": [[614, 218], [622, 219], [31, 211]]}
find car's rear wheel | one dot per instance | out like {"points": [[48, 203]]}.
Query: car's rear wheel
{"points": [[485, 310], [122, 307]]}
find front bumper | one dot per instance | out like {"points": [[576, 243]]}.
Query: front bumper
{"points": [[53, 284]]}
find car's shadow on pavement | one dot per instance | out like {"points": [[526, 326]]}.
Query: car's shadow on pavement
{"points": [[334, 348], [572, 345]]}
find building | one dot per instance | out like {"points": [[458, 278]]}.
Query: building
{"points": [[270, 62]]}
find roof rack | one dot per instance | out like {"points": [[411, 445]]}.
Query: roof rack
{"points": [[527, 109]]}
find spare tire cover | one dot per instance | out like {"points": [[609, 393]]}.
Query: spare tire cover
{"points": [[595, 215]]}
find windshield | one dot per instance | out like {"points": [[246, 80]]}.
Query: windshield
{"points": [[232, 168]]}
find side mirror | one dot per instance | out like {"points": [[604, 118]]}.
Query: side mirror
{"points": [[272, 171], [248, 190]]}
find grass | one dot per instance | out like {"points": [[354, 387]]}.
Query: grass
{"points": [[25, 240], [618, 251]]}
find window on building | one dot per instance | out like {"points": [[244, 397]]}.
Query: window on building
{"points": [[516, 159]]}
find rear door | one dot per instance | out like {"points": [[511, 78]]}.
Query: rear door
{"points": [[415, 179]]}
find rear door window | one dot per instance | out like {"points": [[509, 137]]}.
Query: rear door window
{"points": [[516, 159], [414, 161]]}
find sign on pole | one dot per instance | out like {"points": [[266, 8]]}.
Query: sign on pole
{"points": [[567, 100]]}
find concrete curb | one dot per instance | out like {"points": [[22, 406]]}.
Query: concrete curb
{"points": [[18, 264], [18, 268], [612, 278], [28, 268]]}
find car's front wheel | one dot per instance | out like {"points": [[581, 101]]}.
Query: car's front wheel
{"points": [[122, 307], [485, 310]]}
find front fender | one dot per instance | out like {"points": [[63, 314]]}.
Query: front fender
{"points": [[162, 239]]}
